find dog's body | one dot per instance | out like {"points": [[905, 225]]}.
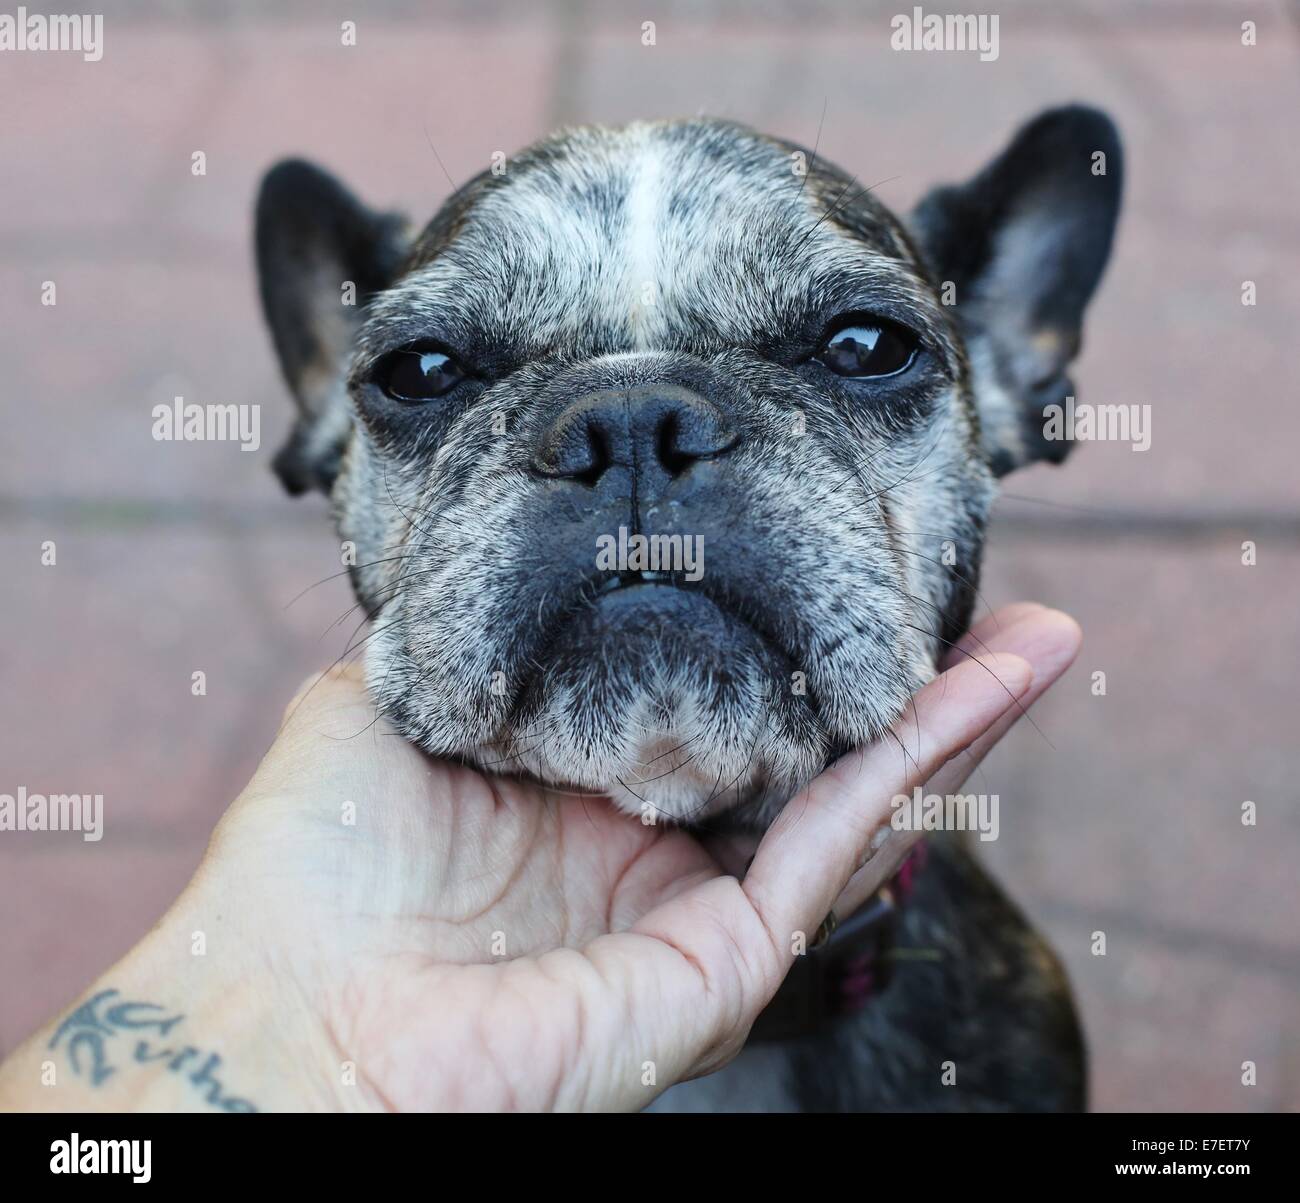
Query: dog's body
{"points": [[977, 1017], [703, 338]]}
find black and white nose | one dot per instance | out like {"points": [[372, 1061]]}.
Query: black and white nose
{"points": [[655, 431]]}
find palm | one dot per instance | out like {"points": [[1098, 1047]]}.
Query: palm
{"points": [[386, 930], [463, 941], [436, 859], [415, 868]]}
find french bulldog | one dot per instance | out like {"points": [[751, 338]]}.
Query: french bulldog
{"points": [[667, 453]]}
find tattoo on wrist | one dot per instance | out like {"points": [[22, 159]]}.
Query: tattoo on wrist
{"points": [[89, 1037]]}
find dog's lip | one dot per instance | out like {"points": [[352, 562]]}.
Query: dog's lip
{"points": [[633, 578], [607, 583], [601, 588]]}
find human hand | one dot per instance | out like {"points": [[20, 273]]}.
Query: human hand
{"points": [[382, 930]]}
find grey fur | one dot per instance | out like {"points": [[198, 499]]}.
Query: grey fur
{"points": [[858, 507], [843, 530]]}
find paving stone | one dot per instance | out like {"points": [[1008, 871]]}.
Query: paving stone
{"points": [[107, 147], [177, 557], [1130, 804], [71, 910], [1168, 1030], [85, 375], [99, 698]]}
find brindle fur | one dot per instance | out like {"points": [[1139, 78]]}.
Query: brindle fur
{"points": [[843, 523]]}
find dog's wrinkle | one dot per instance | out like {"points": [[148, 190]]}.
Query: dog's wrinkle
{"points": [[850, 539], [493, 245], [489, 587]]}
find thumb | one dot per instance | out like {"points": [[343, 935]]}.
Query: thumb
{"points": [[720, 951], [824, 835]]}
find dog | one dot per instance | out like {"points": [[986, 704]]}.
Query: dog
{"points": [[667, 453]]}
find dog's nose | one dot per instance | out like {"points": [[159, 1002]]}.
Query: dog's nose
{"points": [[652, 430]]}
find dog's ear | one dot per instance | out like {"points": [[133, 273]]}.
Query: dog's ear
{"points": [[1022, 246], [320, 255]]}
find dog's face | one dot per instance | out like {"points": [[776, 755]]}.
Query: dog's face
{"points": [[666, 451]]}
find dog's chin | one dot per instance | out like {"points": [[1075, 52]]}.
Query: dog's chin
{"points": [[664, 698], [667, 702]]}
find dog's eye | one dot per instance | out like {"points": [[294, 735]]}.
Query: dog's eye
{"points": [[419, 375], [869, 347]]}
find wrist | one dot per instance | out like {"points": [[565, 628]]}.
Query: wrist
{"points": [[171, 1028]]}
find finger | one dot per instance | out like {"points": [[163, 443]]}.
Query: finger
{"points": [[690, 978], [1049, 640], [1006, 630], [719, 951], [989, 633], [822, 836]]}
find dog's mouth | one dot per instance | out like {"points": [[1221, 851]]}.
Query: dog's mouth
{"points": [[654, 688], [650, 593], [697, 696], [640, 608], [719, 678], [632, 578], [634, 630]]}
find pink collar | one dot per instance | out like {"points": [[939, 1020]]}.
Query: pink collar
{"points": [[850, 967]]}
